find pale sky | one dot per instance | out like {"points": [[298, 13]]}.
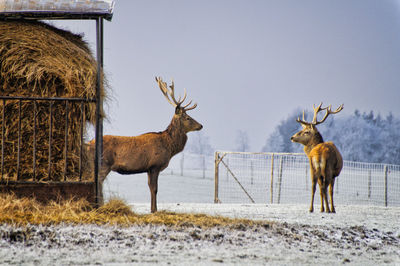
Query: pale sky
{"points": [[247, 64]]}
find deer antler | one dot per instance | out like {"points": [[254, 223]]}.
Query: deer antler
{"points": [[316, 111], [171, 93]]}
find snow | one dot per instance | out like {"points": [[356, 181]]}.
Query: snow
{"points": [[359, 235]]}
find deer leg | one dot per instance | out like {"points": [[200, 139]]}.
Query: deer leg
{"points": [[331, 185], [153, 185], [313, 187], [321, 192], [328, 210]]}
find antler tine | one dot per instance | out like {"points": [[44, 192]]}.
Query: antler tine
{"points": [[329, 111], [340, 108], [316, 111], [187, 104], [170, 95], [164, 89], [191, 108], [179, 101], [184, 96], [302, 121]]}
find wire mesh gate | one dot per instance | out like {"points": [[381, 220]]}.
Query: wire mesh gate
{"points": [[284, 178]]}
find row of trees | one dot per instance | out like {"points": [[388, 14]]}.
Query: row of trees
{"points": [[363, 137], [360, 137]]}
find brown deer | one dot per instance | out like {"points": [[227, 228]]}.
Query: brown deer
{"points": [[325, 159], [150, 152]]}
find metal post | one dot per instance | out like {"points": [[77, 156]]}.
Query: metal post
{"points": [[385, 169], [3, 121], [66, 142], [19, 140], [272, 179], [99, 105], [216, 169], [81, 140], [34, 138], [280, 179], [50, 137], [369, 184]]}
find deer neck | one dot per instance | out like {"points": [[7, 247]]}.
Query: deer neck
{"points": [[314, 141], [176, 136]]}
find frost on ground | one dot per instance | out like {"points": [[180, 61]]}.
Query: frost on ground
{"points": [[357, 235]]}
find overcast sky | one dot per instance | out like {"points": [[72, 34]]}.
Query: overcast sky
{"points": [[248, 64]]}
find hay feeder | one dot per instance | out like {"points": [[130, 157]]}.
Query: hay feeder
{"points": [[50, 88]]}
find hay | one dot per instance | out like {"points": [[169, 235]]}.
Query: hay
{"points": [[23, 211], [39, 60]]}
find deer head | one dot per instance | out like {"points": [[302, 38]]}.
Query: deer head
{"points": [[187, 122], [309, 134]]}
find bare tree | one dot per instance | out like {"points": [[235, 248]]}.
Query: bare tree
{"points": [[199, 143], [242, 141]]}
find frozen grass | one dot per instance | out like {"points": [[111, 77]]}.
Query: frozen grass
{"points": [[20, 212]]}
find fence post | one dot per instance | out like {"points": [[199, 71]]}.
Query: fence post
{"points": [[216, 168], [385, 169], [369, 184], [280, 179], [272, 179]]}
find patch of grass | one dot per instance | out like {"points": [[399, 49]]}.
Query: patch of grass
{"points": [[23, 211]]}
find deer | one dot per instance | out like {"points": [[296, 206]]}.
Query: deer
{"points": [[150, 152], [324, 157]]}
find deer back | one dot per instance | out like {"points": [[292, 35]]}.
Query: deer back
{"points": [[326, 157]]}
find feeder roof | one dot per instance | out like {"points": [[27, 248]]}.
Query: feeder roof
{"points": [[56, 9]]}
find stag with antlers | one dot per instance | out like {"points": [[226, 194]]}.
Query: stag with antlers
{"points": [[325, 159], [150, 152]]}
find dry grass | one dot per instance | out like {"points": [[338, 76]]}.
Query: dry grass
{"points": [[39, 60], [25, 211]]}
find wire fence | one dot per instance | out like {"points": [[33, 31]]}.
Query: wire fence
{"points": [[191, 165], [243, 177]]}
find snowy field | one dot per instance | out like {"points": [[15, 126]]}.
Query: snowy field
{"points": [[357, 235]]}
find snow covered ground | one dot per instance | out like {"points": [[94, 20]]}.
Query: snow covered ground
{"points": [[358, 235]]}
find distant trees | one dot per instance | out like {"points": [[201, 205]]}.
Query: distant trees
{"points": [[242, 141], [199, 143], [362, 137], [279, 140]]}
